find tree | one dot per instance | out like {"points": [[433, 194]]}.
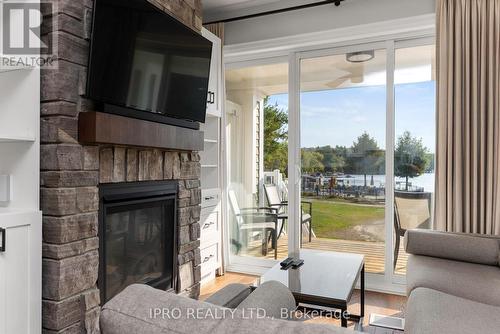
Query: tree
{"points": [[430, 163], [341, 161], [279, 159], [332, 161], [366, 157], [410, 158], [311, 161], [275, 137], [364, 143]]}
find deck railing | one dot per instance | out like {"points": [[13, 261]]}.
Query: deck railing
{"points": [[277, 178]]}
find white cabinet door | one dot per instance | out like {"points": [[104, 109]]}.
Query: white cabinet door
{"points": [[214, 83], [20, 273]]}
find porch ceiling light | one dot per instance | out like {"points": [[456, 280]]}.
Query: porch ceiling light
{"points": [[360, 56]]}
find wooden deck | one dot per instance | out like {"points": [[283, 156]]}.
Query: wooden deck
{"points": [[373, 252]]}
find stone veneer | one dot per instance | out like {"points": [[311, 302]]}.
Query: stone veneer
{"points": [[71, 173]]}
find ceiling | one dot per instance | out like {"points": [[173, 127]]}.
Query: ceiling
{"points": [[335, 72]]}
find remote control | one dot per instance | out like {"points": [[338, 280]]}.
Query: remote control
{"points": [[297, 263], [285, 264]]}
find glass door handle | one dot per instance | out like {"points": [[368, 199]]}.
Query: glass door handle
{"points": [[211, 97], [2, 238], [298, 175]]}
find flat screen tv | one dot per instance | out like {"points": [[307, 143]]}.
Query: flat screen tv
{"points": [[145, 64]]}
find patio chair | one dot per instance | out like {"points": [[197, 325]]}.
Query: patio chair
{"points": [[261, 219], [274, 201], [411, 210]]}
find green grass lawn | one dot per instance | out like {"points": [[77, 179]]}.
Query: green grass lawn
{"points": [[331, 216]]}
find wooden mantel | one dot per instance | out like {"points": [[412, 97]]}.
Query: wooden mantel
{"points": [[103, 128]]}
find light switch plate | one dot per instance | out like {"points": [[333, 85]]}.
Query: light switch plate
{"points": [[5, 188]]}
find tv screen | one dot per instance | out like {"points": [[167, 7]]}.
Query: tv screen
{"points": [[146, 61]]}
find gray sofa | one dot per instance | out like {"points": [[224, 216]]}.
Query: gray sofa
{"points": [[142, 309], [453, 283]]}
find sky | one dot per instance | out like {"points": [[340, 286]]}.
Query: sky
{"points": [[338, 117]]}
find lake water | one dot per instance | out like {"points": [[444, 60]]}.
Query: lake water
{"points": [[426, 181]]}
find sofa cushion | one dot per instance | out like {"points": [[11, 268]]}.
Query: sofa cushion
{"points": [[133, 311], [430, 311], [453, 246], [230, 296], [467, 280], [273, 297]]}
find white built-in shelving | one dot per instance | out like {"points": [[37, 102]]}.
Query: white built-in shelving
{"points": [[211, 214], [16, 139], [20, 216]]}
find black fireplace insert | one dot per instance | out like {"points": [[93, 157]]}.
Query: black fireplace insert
{"points": [[137, 236]]}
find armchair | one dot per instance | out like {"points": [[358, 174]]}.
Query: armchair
{"points": [[274, 201], [260, 219], [412, 210]]}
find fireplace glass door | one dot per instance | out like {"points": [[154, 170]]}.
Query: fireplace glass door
{"points": [[138, 243]]}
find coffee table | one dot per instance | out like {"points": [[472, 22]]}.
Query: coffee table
{"points": [[326, 279]]}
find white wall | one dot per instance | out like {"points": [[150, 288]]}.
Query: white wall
{"points": [[349, 13]]}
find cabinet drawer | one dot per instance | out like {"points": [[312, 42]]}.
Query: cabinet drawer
{"points": [[209, 258], [209, 227], [210, 197]]}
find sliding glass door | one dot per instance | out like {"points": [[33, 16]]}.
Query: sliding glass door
{"points": [[257, 162], [339, 143], [414, 142], [342, 148], [365, 151]]}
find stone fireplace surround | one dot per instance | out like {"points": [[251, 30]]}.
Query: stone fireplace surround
{"points": [[71, 173]]}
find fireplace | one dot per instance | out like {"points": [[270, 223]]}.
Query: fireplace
{"points": [[137, 228], [75, 170]]}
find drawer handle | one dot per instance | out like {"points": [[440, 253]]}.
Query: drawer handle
{"points": [[207, 225], [207, 258], [2, 245], [209, 198]]}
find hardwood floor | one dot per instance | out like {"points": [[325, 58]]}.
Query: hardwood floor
{"points": [[207, 289], [375, 302]]}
